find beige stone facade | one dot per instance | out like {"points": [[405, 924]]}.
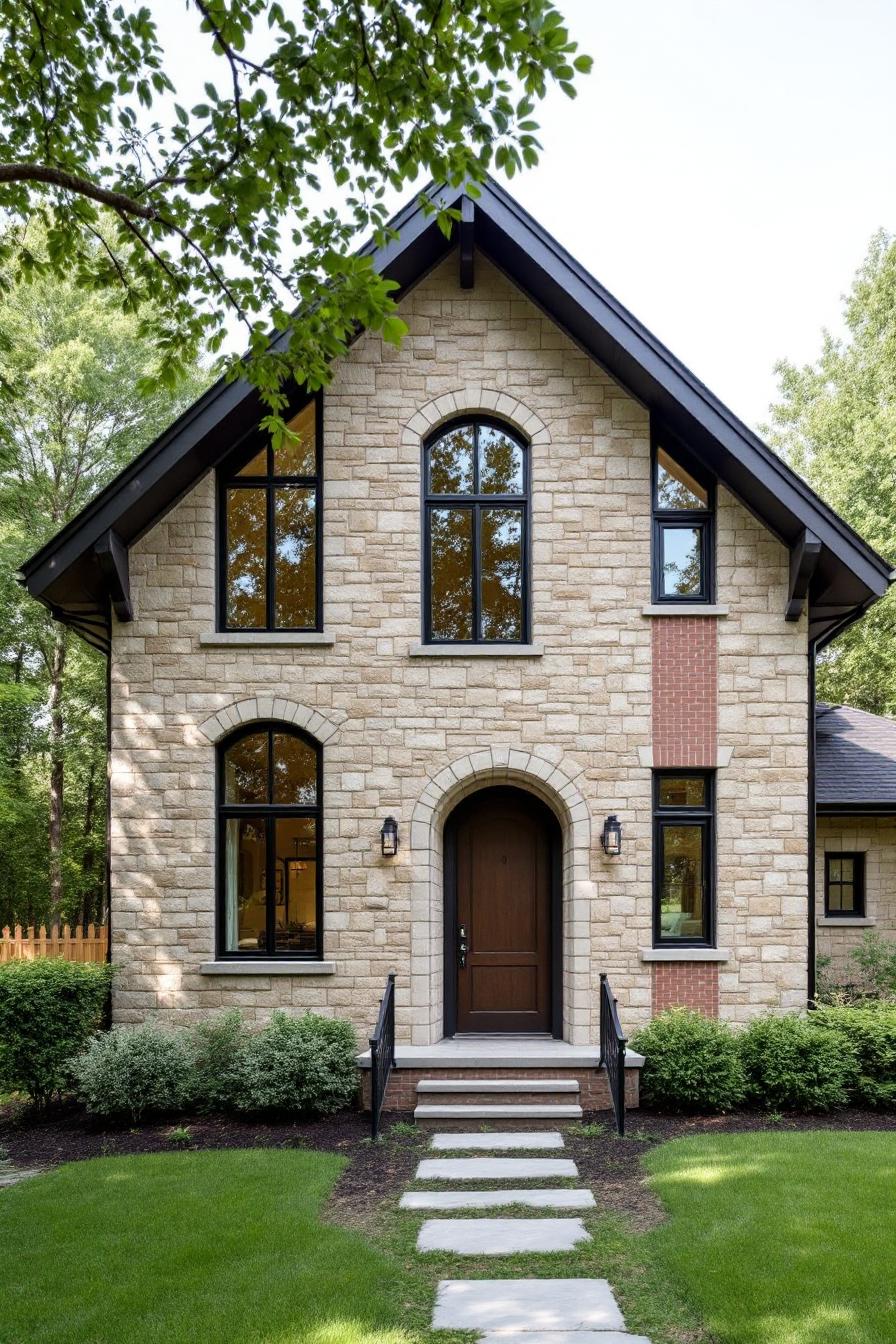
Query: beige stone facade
{"points": [[836, 937], [409, 733]]}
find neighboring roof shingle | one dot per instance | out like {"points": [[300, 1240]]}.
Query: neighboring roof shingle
{"points": [[855, 759]]}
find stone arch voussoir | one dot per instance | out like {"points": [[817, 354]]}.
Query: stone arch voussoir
{"points": [[470, 401], [265, 708]]}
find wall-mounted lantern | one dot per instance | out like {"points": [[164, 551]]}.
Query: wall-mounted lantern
{"points": [[389, 838], [611, 836]]}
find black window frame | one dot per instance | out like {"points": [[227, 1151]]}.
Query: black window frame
{"points": [[229, 479], [476, 502], [668, 519], [680, 815], [858, 883], [271, 812]]}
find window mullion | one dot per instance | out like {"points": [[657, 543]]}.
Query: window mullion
{"points": [[476, 513]]}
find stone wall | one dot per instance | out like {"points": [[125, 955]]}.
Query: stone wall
{"points": [[835, 938], [571, 721]]}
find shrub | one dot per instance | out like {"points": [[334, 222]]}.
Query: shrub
{"points": [[298, 1064], [132, 1072], [217, 1045], [876, 959], [792, 1065], [691, 1063], [48, 1009], [868, 1035]]}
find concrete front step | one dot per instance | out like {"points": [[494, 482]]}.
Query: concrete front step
{"points": [[561, 1337], [471, 1085], [532, 1115], [501, 1236]]}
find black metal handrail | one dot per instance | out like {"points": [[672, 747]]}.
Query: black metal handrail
{"points": [[612, 1051], [382, 1054]]}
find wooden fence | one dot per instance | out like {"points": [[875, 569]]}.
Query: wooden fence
{"points": [[72, 944]]}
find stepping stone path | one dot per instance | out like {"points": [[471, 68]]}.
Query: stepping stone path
{"points": [[10, 1175], [512, 1311]]}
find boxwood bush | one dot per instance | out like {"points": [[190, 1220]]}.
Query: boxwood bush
{"points": [[217, 1045], [691, 1063], [48, 1010], [867, 1035], [133, 1072], [790, 1064], [303, 1065]]}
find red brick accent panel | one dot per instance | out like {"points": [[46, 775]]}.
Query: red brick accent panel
{"points": [[401, 1094], [685, 690], [685, 984]]}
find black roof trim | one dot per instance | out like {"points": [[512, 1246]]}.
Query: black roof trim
{"points": [[64, 573]]}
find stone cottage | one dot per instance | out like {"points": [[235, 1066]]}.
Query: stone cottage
{"points": [[498, 675]]}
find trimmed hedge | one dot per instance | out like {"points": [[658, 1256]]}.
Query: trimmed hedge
{"points": [[298, 1064], [867, 1034], [691, 1063], [48, 1009], [293, 1066], [792, 1065], [132, 1072]]}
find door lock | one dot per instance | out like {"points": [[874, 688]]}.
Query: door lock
{"points": [[462, 946]]}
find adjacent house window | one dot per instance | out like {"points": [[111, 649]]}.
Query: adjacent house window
{"points": [[476, 535], [683, 858], [844, 885], [683, 531], [269, 838], [270, 533]]}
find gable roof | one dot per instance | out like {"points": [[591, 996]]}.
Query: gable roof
{"points": [[855, 761], [830, 564]]}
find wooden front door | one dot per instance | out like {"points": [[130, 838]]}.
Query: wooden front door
{"points": [[503, 848]]}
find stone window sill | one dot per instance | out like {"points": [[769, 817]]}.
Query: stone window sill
{"points": [[236, 639], [684, 954], [476, 651], [845, 922], [272, 967], [684, 609]]}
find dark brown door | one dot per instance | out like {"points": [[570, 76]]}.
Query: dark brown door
{"points": [[503, 866]]}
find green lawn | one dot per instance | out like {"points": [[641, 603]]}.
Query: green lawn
{"points": [[190, 1248], [782, 1238]]}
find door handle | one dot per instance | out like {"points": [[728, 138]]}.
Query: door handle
{"points": [[462, 946]]}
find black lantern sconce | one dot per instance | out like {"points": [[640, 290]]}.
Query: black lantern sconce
{"points": [[389, 838], [611, 836]]}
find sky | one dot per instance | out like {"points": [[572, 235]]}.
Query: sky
{"points": [[721, 172]]}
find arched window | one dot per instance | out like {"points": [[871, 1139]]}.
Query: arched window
{"points": [[269, 837], [269, 518], [476, 535]]}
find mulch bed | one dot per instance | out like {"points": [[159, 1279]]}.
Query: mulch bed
{"points": [[611, 1167]]}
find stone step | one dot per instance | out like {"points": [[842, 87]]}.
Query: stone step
{"points": [[495, 1169], [501, 1236], [495, 1199], [462, 1085], [530, 1114], [528, 1306], [496, 1140], [561, 1337]]}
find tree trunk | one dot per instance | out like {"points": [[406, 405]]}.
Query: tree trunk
{"points": [[57, 769]]}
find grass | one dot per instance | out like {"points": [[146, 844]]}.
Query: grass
{"points": [[783, 1238], [186, 1248]]}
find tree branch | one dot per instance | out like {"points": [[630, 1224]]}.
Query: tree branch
{"points": [[81, 186]]}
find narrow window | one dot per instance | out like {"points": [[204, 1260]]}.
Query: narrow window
{"points": [[270, 520], [269, 836], [683, 858], [844, 885], [476, 529], [683, 531]]}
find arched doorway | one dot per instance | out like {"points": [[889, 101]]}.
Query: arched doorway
{"points": [[502, 915]]}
